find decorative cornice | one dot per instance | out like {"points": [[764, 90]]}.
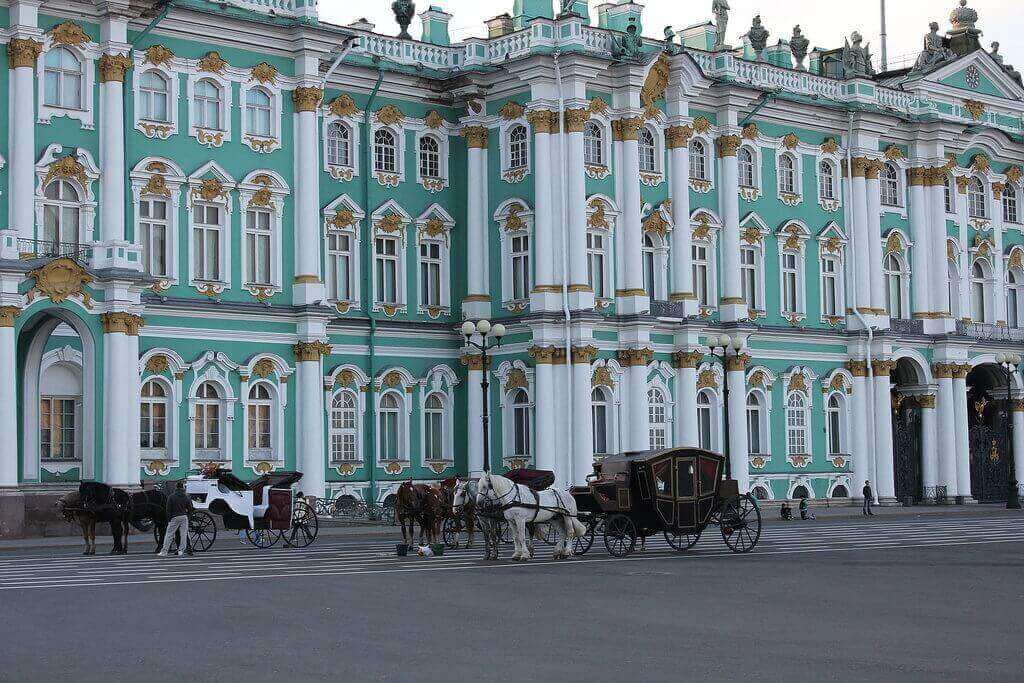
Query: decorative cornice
{"points": [[8, 314], [308, 98], [635, 357], [124, 323], [311, 351], [476, 137]]}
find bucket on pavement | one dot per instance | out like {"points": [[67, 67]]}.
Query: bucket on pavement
{"points": [[402, 549], [437, 548]]}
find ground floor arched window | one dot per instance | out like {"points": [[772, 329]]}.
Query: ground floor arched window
{"points": [[600, 407]]}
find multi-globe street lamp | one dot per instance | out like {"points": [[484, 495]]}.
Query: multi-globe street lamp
{"points": [[490, 338], [724, 346], [1009, 362]]}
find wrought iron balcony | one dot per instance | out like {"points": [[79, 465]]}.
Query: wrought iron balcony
{"points": [[905, 326], [990, 332], [668, 309], [47, 249]]}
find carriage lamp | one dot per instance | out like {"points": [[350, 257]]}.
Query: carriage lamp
{"points": [[490, 338], [1009, 362]]}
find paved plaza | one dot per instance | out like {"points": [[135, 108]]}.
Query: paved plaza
{"points": [[912, 597]]}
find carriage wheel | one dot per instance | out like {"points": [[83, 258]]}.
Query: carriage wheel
{"points": [[304, 526], [581, 544], [202, 531], [619, 535], [263, 538], [682, 540], [740, 521], [551, 535], [450, 533]]}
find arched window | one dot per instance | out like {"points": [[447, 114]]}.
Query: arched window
{"points": [[433, 428], [207, 105], [593, 144], [61, 215], [787, 174], [976, 205], [518, 147], [339, 145], [388, 432], [648, 151], [834, 425], [344, 427], [386, 255], [949, 197], [701, 274], [761, 493], [755, 420], [656, 411], [1010, 214], [890, 185], [63, 79], [979, 283], [259, 421], [153, 96], [801, 492], [600, 410], [430, 157], [894, 283], [698, 159], [520, 423], [1014, 288], [596, 258], [796, 424], [209, 412], [826, 180], [153, 417], [953, 282], [705, 421], [258, 113], [650, 278], [385, 152], [840, 491], [745, 166]]}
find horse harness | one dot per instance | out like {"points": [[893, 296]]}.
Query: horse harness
{"points": [[518, 502]]}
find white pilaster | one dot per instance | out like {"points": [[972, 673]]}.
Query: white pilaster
{"points": [[946, 448], [638, 424], [309, 441], [582, 422], [474, 416], [544, 410], [8, 398], [874, 231], [686, 398], [677, 138], [884, 481], [309, 286], [121, 399], [478, 301], [22, 55], [939, 262], [860, 267], [929, 455], [998, 264], [545, 294], [732, 307], [963, 446], [630, 295], [921, 253], [581, 294], [739, 459], [863, 403]]}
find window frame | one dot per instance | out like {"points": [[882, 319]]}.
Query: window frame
{"points": [[984, 285], [353, 234], [1014, 313], [170, 71], [798, 424], [353, 125], [977, 191], [508, 238], [513, 410], [659, 431], [336, 435], [1011, 204], [62, 206], [903, 276], [87, 54], [401, 413], [270, 452], [442, 180], [150, 452], [701, 182], [222, 453], [890, 187]]}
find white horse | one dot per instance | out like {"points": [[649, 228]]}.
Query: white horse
{"points": [[519, 505]]}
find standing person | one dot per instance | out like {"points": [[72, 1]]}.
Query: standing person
{"points": [[869, 498], [179, 507]]}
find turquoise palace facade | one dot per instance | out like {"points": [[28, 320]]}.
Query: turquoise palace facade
{"points": [[255, 246]]}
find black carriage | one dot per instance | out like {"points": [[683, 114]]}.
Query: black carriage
{"points": [[676, 492]]}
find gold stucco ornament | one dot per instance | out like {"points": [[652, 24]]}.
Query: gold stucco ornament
{"points": [[60, 279]]}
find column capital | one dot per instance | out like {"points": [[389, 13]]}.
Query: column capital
{"points": [[23, 52], [575, 120], [474, 362], [627, 129], [926, 401], [737, 363], [307, 98], [476, 136], [857, 368], [125, 323], [728, 145], [859, 166], [8, 314], [677, 137], [1017, 406], [882, 368], [543, 355], [918, 176], [635, 357], [962, 182], [542, 121], [311, 351], [873, 168], [961, 371], [584, 355], [943, 370], [687, 359], [113, 67]]}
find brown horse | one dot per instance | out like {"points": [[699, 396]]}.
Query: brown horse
{"points": [[423, 504], [465, 513], [70, 508]]}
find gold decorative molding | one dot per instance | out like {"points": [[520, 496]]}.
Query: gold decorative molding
{"points": [[474, 362], [311, 351], [727, 145], [391, 223], [516, 380], [23, 52], [8, 314], [342, 105], [511, 110], [263, 73], [894, 243], [687, 359], [926, 401], [390, 115], [635, 357], [962, 182], [707, 379], [307, 98], [798, 382], [960, 371], [598, 219], [124, 323], [701, 124], [678, 137], [917, 176], [597, 106], [68, 33], [857, 368], [656, 82], [157, 364], [60, 279], [790, 141], [264, 368], [830, 146], [873, 169], [892, 153], [158, 55], [602, 377], [212, 63], [545, 355], [981, 163], [584, 354], [975, 108], [434, 120], [113, 68], [66, 167], [882, 368], [210, 190], [476, 137], [750, 132], [737, 363], [1014, 174], [751, 236], [156, 186], [627, 129], [575, 119], [543, 121], [656, 224]]}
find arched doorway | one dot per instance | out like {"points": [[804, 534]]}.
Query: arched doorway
{"points": [[988, 422], [906, 433]]}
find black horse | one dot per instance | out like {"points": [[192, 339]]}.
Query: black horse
{"points": [[142, 510]]}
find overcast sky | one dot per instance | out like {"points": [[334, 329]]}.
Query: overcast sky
{"points": [[824, 23]]}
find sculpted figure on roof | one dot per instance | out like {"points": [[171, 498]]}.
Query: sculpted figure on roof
{"points": [[935, 51]]}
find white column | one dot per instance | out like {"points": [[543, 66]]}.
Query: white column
{"points": [[885, 484], [998, 264], [921, 252], [631, 297], [562, 381], [474, 415], [581, 294], [732, 307], [477, 301], [121, 398], [964, 257], [874, 231], [309, 411], [939, 264], [639, 423], [1018, 442], [309, 286], [739, 459], [582, 422], [677, 139], [858, 208], [863, 402], [544, 408], [542, 123], [22, 54], [963, 446], [8, 398], [686, 398], [929, 455], [946, 448]]}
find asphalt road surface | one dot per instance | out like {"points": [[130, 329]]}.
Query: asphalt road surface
{"points": [[936, 598]]}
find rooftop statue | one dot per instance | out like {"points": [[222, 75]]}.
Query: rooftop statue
{"points": [[404, 11], [798, 45], [1006, 67], [935, 51], [964, 34], [963, 17], [670, 41], [995, 52], [758, 36], [567, 7], [629, 46], [720, 8], [857, 57]]}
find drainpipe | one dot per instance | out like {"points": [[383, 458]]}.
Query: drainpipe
{"points": [[870, 330], [367, 256], [567, 313]]}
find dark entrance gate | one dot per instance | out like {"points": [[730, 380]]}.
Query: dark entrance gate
{"points": [[990, 450], [906, 450]]}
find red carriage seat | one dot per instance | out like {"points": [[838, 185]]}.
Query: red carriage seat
{"points": [[538, 480]]}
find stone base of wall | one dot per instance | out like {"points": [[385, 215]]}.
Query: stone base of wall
{"points": [[33, 514]]}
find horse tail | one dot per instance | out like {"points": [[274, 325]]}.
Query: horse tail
{"points": [[577, 527]]}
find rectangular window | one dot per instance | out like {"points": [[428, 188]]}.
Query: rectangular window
{"points": [[829, 287], [259, 427], [790, 300], [595, 263], [600, 420], [520, 268], [430, 273], [206, 236], [339, 266], [753, 431], [748, 276], [257, 247], [57, 428], [153, 227], [834, 445], [434, 423], [701, 284], [387, 270]]}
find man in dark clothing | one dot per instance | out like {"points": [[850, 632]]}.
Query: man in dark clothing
{"points": [[869, 498], [179, 507]]}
